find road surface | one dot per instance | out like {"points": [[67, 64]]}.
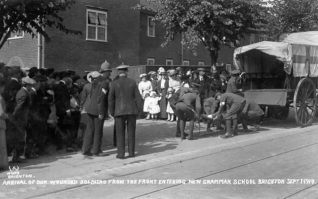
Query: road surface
{"points": [[280, 161]]}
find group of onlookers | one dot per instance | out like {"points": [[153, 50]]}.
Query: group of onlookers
{"points": [[41, 107]]}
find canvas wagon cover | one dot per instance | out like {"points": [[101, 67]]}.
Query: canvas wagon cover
{"points": [[293, 51]]}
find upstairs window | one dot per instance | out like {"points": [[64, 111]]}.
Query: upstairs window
{"points": [[169, 62], [150, 61], [186, 63], [201, 63], [96, 25], [151, 27], [16, 35]]}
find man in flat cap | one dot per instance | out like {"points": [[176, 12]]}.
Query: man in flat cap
{"points": [[19, 119], [125, 103]]}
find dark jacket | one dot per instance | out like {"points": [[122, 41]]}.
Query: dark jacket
{"points": [[233, 85], [124, 98], [62, 99], [94, 106], [23, 103], [10, 91]]}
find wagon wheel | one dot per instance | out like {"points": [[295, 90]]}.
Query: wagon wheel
{"points": [[305, 102]]}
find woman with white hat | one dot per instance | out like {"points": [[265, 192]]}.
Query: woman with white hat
{"points": [[144, 85], [174, 83]]}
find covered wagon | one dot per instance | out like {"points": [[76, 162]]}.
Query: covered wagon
{"points": [[280, 75]]}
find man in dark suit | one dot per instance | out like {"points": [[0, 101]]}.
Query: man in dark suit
{"points": [[95, 120], [125, 103], [20, 118], [63, 109]]}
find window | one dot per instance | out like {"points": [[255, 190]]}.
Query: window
{"points": [[150, 61], [201, 63], [186, 63], [151, 27], [16, 35], [169, 62], [96, 25]]}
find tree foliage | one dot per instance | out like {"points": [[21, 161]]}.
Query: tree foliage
{"points": [[32, 16], [211, 22], [292, 16]]}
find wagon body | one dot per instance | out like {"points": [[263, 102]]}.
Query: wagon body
{"points": [[282, 74]]}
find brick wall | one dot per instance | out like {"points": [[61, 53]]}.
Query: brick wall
{"points": [[21, 51], [74, 52]]}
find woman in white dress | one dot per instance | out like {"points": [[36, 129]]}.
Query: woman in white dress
{"points": [[174, 83], [144, 85]]}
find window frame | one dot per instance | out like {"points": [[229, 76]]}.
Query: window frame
{"points": [[96, 11], [169, 60], [148, 27], [187, 63], [151, 59], [15, 36]]}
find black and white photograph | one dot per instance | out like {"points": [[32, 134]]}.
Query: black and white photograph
{"points": [[159, 99]]}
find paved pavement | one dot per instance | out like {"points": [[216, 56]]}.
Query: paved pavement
{"points": [[255, 165]]}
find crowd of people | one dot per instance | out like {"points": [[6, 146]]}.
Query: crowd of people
{"points": [[40, 107]]}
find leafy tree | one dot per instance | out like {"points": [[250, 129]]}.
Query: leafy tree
{"points": [[292, 16], [32, 16], [212, 23]]}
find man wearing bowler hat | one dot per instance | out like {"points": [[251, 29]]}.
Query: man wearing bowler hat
{"points": [[125, 104]]}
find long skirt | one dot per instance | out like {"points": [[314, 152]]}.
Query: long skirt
{"points": [[163, 108]]}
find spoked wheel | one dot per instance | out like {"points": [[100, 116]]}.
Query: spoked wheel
{"points": [[305, 102]]}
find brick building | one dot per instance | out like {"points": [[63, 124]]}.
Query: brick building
{"points": [[111, 30]]}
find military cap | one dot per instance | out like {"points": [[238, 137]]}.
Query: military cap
{"points": [[122, 67], [201, 69]]}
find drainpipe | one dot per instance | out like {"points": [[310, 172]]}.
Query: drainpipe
{"points": [[40, 51]]}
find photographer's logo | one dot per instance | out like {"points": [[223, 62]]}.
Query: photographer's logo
{"points": [[14, 172]]}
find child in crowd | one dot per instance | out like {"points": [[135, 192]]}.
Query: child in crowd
{"points": [[171, 115], [153, 105], [146, 104]]}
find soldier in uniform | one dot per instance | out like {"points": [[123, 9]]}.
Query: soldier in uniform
{"points": [[234, 83], [125, 104], [231, 106], [106, 71], [187, 108]]}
